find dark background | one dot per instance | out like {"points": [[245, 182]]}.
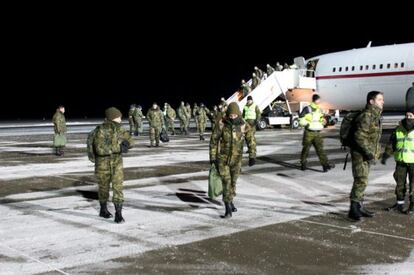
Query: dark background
{"points": [[94, 60]]}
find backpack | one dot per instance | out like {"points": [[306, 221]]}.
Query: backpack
{"points": [[164, 136], [347, 130], [89, 145]]}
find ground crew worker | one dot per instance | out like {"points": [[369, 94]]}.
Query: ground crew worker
{"points": [[106, 144], [245, 88], [364, 151], [269, 70], [201, 119], [170, 116], [251, 114], [312, 119], [156, 123], [59, 124], [255, 81], [184, 117], [401, 144], [138, 117], [226, 152], [131, 118], [259, 73]]}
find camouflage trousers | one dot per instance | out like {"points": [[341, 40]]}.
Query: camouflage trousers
{"points": [[183, 125], [155, 134], [171, 125], [252, 133], [229, 175], [360, 172], [201, 126], [110, 170], [402, 170], [313, 138]]}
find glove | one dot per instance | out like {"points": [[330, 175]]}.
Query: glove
{"points": [[384, 158], [369, 157], [124, 146], [252, 161]]}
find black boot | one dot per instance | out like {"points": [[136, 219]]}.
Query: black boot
{"points": [[354, 213], [136, 133], [398, 207], [228, 211], [118, 213], [328, 167], [104, 213], [303, 166], [233, 208], [365, 213], [410, 209], [57, 151]]}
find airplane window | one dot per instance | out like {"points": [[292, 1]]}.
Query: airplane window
{"points": [[361, 68], [381, 66], [340, 69], [334, 69], [366, 67], [402, 64], [396, 65], [353, 68], [388, 65], [373, 67], [346, 69]]}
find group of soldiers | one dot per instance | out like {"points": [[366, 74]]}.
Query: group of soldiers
{"points": [[258, 76], [232, 128]]}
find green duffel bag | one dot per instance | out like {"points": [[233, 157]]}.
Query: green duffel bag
{"points": [[215, 184], [59, 140]]}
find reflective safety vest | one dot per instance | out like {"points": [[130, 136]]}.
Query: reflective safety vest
{"points": [[314, 119], [250, 112], [404, 149]]}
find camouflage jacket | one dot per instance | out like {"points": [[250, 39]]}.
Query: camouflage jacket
{"points": [[227, 140], [131, 114], [155, 118], [368, 130], [183, 113], [138, 115], [171, 113], [201, 113], [59, 122], [106, 140], [188, 108]]}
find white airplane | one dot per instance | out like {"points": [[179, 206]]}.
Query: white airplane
{"points": [[343, 79]]}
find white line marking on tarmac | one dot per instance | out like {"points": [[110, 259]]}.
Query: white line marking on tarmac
{"points": [[360, 230]]}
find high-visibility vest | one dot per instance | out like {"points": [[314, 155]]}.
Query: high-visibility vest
{"points": [[314, 119], [404, 149], [250, 112]]}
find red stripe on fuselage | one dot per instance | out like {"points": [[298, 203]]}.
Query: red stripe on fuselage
{"points": [[364, 75]]}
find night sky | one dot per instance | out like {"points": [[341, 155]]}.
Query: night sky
{"points": [[91, 65]]}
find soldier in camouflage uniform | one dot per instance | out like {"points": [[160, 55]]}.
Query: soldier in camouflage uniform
{"points": [[401, 145], [365, 149], [138, 117], [194, 114], [214, 116], [189, 112], [245, 88], [105, 147], [59, 123], [131, 118], [184, 117], [156, 123], [259, 73], [170, 116], [269, 70], [255, 81], [251, 114], [201, 118], [226, 152], [312, 119]]}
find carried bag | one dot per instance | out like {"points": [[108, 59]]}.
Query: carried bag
{"points": [[59, 140], [215, 184], [164, 135]]}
